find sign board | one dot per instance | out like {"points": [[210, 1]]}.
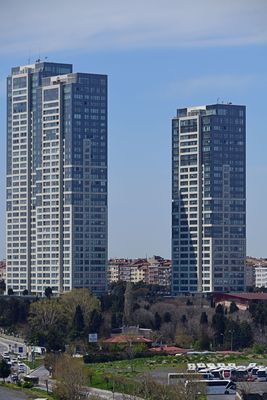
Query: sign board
{"points": [[92, 337], [20, 349]]}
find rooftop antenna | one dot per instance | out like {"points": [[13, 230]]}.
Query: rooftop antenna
{"points": [[218, 99], [39, 58]]}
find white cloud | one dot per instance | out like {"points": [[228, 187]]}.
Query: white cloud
{"points": [[53, 25], [220, 84]]}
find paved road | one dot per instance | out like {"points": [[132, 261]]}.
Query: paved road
{"points": [[12, 343], [107, 395], [41, 372], [3, 347], [8, 394]]}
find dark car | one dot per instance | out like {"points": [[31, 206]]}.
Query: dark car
{"points": [[14, 378]]}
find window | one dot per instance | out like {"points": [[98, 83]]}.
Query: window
{"points": [[19, 82], [19, 107], [51, 94]]}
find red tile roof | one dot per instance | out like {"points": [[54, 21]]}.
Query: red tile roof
{"points": [[242, 296], [127, 339]]}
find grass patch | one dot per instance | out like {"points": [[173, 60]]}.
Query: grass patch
{"points": [[32, 393], [35, 364], [124, 375]]}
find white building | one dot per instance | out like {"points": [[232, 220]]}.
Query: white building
{"points": [[56, 179], [261, 276]]}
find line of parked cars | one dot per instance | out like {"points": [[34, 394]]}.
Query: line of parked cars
{"points": [[236, 373], [17, 367]]}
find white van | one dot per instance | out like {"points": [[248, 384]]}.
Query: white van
{"points": [[177, 377], [216, 386]]}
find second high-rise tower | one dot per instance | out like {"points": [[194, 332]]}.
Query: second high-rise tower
{"points": [[209, 198]]}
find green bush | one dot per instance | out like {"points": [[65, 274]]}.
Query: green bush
{"points": [[258, 348], [27, 385]]}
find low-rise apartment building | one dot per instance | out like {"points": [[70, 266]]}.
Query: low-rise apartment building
{"points": [[152, 271], [261, 276]]}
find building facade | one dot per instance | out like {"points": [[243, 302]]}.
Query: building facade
{"points": [[260, 276], [209, 198], [56, 179], [151, 271]]}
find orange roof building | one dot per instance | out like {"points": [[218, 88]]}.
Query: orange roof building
{"points": [[124, 339]]}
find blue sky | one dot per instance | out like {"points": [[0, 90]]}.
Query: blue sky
{"points": [[159, 56]]}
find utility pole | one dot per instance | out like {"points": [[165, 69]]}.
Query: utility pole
{"points": [[232, 336]]}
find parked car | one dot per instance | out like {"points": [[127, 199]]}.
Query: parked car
{"points": [[21, 368], [261, 375], [14, 377]]}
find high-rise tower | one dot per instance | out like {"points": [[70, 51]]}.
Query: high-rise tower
{"points": [[209, 198], [56, 179]]}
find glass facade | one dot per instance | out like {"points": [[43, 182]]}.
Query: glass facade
{"points": [[56, 179], [209, 198]]}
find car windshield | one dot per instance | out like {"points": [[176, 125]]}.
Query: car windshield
{"points": [[232, 386], [254, 371]]}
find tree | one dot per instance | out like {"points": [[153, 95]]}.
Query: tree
{"points": [[48, 292], [85, 299], [71, 376], [116, 319], [148, 388], [233, 308], [258, 311], [203, 318], [246, 335], [78, 323], [96, 321], [157, 321], [25, 292], [10, 292], [128, 304], [117, 290], [204, 342], [2, 286], [13, 310], [232, 334], [167, 317], [219, 309], [218, 324], [47, 323], [4, 369]]}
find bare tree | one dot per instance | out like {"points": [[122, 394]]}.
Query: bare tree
{"points": [[71, 376]]}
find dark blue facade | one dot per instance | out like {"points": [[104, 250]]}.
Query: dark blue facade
{"points": [[209, 198]]}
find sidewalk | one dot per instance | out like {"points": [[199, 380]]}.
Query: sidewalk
{"points": [[106, 394], [12, 338], [89, 392]]}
